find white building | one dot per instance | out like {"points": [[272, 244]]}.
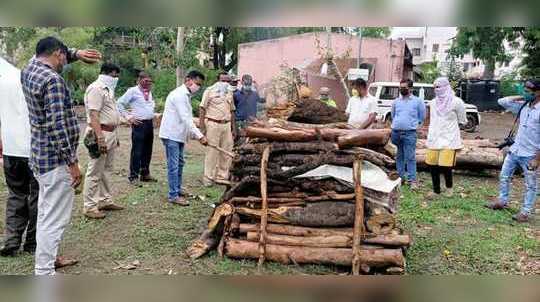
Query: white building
{"points": [[429, 44]]}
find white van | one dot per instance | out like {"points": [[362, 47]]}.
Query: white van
{"points": [[387, 92]]}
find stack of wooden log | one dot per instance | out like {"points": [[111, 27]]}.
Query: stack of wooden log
{"points": [[268, 213]]}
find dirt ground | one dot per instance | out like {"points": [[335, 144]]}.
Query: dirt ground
{"points": [[455, 236], [493, 125]]}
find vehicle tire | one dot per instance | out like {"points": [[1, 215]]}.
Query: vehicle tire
{"points": [[472, 124]]}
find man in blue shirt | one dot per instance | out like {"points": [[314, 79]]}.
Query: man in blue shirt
{"points": [[408, 112], [525, 152], [245, 101]]}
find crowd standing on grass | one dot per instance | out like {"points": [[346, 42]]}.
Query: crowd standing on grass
{"points": [[40, 138]]}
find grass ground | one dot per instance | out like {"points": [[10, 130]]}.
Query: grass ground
{"points": [[451, 236]]}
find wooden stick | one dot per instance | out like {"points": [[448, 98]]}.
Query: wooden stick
{"points": [[229, 154], [358, 230], [264, 215]]}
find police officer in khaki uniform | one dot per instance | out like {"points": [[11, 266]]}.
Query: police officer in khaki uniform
{"points": [[103, 118], [217, 123]]}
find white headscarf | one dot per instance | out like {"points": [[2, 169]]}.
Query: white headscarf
{"points": [[444, 95]]}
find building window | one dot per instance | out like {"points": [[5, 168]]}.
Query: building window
{"points": [[416, 52], [435, 48]]}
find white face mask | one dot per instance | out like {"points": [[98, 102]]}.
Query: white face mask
{"points": [[108, 81]]}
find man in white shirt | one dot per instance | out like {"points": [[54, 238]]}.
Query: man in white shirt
{"points": [[362, 108], [177, 127], [21, 207]]}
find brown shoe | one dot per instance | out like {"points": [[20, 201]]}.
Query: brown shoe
{"points": [[63, 262], [521, 218], [181, 201], [94, 214], [496, 205], [148, 178], [111, 207]]}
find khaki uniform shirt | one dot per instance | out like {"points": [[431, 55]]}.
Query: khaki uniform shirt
{"points": [[99, 98], [217, 106]]}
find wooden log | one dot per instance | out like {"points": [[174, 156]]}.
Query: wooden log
{"points": [[280, 134], [368, 137], [471, 143], [208, 239], [289, 147], [396, 240], [272, 122], [321, 214], [264, 210], [470, 158], [243, 249], [380, 222], [358, 230], [326, 241], [377, 158]]}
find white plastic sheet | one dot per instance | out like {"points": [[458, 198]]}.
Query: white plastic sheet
{"points": [[373, 177]]}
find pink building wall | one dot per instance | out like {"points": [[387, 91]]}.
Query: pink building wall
{"points": [[263, 59]]}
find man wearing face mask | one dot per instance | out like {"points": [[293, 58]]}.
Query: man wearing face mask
{"points": [[176, 128], [408, 113], [103, 118], [245, 101], [524, 152], [217, 120], [54, 140], [137, 107]]}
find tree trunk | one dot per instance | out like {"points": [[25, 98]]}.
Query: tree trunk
{"points": [[179, 50], [489, 70], [290, 147], [287, 124], [467, 143], [290, 230], [360, 138], [336, 240], [322, 214], [470, 158], [280, 134], [243, 249], [326, 241]]}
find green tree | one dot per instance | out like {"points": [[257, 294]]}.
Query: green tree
{"points": [[486, 44], [531, 49], [429, 71]]}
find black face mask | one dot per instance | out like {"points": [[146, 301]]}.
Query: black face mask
{"points": [[404, 91]]}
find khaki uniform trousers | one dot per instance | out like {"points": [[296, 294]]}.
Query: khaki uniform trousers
{"points": [[217, 164], [97, 181]]}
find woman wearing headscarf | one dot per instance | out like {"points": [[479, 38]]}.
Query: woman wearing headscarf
{"points": [[447, 112]]}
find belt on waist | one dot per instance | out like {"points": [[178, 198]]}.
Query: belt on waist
{"points": [[108, 128], [218, 121]]}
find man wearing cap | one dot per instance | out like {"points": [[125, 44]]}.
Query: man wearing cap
{"points": [[217, 122], [324, 96], [524, 152]]}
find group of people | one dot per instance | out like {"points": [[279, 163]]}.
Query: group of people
{"points": [[41, 137], [444, 116]]}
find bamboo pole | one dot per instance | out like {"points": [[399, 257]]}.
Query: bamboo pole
{"points": [[358, 230], [264, 210]]}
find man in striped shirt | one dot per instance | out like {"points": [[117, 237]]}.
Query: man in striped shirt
{"points": [[53, 144]]}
